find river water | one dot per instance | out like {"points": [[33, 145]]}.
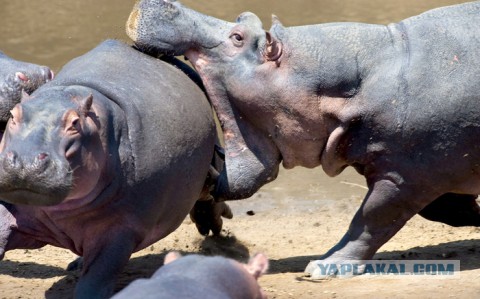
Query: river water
{"points": [[52, 32]]}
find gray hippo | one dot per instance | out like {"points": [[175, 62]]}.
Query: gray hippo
{"points": [[200, 277], [399, 103], [17, 77], [104, 160]]}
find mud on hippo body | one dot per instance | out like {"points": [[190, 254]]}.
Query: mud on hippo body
{"points": [[104, 160], [399, 103], [197, 276]]}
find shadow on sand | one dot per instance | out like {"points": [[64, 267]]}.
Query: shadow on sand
{"points": [[142, 267]]}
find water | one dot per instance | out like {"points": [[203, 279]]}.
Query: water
{"points": [[52, 32]]}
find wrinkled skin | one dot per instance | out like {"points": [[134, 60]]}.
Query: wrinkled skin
{"points": [[196, 276], [104, 160], [399, 103], [17, 78]]}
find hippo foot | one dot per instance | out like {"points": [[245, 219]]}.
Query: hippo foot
{"points": [[331, 268], [207, 216]]}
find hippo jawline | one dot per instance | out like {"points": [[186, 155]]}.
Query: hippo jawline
{"points": [[29, 197]]}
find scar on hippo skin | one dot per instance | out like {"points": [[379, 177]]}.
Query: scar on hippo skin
{"points": [[386, 100], [201, 277]]}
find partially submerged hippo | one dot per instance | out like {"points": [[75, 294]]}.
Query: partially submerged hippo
{"points": [[200, 277], [399, 103], [104, 160], [16, 78]]}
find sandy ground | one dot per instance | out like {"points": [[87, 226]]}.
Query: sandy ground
{"points": [[291, 230]]}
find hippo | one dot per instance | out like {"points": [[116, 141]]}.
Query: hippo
{"points": [[16, 78], [397, 102], [104, 160], [197, 276]]}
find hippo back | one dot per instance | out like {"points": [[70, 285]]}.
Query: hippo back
{"points": [[161, 104], [167, 137]]}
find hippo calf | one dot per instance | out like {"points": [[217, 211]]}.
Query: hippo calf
{"points": [[200, 277], [17, 77], [104, 160], [399, 103]]}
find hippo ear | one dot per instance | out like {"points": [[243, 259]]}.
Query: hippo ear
{"points": [[258, 265], [171, 256], [276, 21], [250, 19], [86, 104], [273, 49]]}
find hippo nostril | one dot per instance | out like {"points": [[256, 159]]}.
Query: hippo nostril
{"points": [[21, 76], [42, 156], [11, 160], [11, 155], [40, 163]]}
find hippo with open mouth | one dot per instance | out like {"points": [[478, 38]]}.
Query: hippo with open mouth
{"points": [[399, 103]]}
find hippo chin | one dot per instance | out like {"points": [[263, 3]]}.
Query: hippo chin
{"points": [[104, 160], [399, 103]]}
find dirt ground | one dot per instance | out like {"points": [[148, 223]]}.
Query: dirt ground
{"points": [[291, 229]]}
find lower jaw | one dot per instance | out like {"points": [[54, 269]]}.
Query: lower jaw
{"points": [[30, 198]]}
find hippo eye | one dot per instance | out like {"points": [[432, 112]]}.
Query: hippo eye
{"points": [[237, 39]]}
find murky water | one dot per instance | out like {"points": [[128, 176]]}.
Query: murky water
{"points": [[51, 32]]}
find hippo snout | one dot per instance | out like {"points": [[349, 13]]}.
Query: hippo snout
{"points": [[38, 179], [31, 81], [12, 163]]}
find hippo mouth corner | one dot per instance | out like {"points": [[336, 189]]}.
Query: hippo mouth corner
{"points": [[150, 51]]}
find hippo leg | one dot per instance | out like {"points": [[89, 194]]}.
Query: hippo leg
{"points": [[102, 264], [76, 264], [454, 209], [207, 216], [384, 211], [207, 212]]}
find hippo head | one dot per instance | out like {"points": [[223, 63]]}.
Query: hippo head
{"points": [[46, 154], [234, 60], [18, 77]]}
